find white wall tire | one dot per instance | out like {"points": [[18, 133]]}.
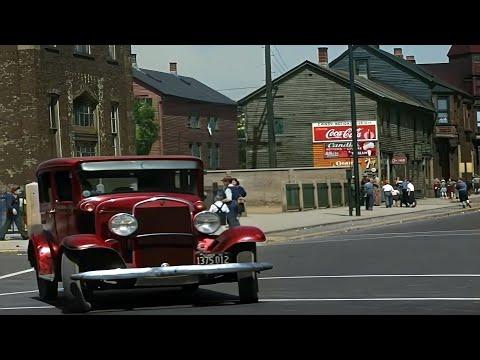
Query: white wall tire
{"points": [[247, 281], [72, 289]]}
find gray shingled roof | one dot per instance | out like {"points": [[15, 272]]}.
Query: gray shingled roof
{"points": [[180, 86], [370, 86]]}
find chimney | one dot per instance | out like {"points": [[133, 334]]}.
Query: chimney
{"points": [[173, 68], [411, 58], [133, 60], [398, 52], [323, 56]]}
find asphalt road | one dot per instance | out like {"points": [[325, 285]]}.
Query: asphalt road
{"points": [[424, 267]]}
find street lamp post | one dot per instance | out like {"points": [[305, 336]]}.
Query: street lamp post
{"points": [[356, 171]]}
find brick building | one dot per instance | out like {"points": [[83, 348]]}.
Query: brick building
{"points": [[193, 119], [62, 101]]}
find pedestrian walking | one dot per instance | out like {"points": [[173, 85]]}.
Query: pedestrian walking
{"points": [[232, 215], [239, 193], [387, 192], [377, 191], [463, 193], [411, 194], [396, 195], [476, 184], [443, 189], [436, 187], [219, 207], [13, 215], [368, 189], [404, 193]]}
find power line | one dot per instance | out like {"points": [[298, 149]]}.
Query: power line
{"points": [[281, 58], [240, 88], [277, 65]]}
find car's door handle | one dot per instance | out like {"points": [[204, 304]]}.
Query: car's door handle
{"points": [[52, 211]]}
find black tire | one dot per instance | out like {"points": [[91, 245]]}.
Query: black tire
{"points": [[248, 289], [247, 282], [47, 290], [73, 290]]}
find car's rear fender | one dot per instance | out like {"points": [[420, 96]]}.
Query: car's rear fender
{"points": [[42, 253], [238, 235], [91, 252]]}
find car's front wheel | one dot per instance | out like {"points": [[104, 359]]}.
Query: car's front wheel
{"points": [[247, 281], [72, 289], [47, 290]]}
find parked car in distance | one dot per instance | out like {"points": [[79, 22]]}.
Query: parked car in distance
{"points": [[129, 222]]}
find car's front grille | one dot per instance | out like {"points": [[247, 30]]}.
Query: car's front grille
{"points": [[163, 219]]}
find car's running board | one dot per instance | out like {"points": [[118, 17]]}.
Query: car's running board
{"points": [[136, 273]]}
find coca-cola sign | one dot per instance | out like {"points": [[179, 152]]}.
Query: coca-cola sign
{"points": [[327, 131]]}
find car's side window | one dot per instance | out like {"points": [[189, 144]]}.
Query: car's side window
{"points": [[45, 188], [63, 185]]}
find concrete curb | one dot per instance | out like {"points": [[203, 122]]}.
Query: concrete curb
{"points": [[282, 236], [13, 245]]}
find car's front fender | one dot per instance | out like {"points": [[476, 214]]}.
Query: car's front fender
{"points": [[42, 253], [237, 235]]}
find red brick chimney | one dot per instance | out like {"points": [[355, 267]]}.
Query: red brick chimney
{"points": [[323, 56], [398, 52], [410, 58], [173, 68]]}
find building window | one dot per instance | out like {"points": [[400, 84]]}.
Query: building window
{"points": [[145, 100], [85, 148], [82, 49], [212, 124], [442, 110], [388, 130], [84, 113], [361, 67], [195, 149], [114, 124], [194, 122], [478, 120], [53, 111], [397, 118], [111, 52], [278, 126], [213, 156]]}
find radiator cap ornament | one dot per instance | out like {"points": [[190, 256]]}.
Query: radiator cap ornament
{"points": [[165, 265]]}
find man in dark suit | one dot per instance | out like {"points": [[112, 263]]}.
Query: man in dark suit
{"points": [[13, 213]]}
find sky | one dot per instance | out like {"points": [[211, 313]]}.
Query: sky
{"points": [[237, 70]]}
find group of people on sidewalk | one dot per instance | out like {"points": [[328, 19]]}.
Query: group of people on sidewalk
{"points": [[229, 203], [399, 194], [14, 203], [455, 189]]}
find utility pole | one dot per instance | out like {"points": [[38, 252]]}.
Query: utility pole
{"points": [[272, 145], [356, 171]]}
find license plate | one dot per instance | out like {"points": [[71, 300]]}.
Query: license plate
{"points": [[212, 259]]}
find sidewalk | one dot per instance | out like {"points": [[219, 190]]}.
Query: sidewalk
{"points": [[291, 225], [274, 221]]}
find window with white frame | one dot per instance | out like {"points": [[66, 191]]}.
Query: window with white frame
{"points": [[114, 124], [112, 52], [84, 113], [442, 110], [82, 49], [85, 148], [478, 120], [212, 123]]}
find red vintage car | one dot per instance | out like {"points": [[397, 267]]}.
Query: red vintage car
{"points": [[133, 221]]}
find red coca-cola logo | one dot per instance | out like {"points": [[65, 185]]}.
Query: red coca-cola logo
{"points": [[324, 132]]}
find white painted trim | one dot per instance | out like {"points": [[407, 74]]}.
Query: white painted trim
{"points": [[19, 292], [16, 273], [28, 307]]}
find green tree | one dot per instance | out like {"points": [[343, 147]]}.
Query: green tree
{"points": [[146, 129]]}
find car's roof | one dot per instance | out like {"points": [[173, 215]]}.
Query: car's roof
{"points": [[74, 161]]}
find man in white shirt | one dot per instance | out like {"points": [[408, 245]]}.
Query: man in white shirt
{"points": [[387, 191], [232, 204], [411, 194]]}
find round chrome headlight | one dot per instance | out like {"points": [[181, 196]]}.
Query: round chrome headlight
{"points": [[206, 222], [123, 224]]}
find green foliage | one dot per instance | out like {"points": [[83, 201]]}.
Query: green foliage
{"points": [[146, 128]]}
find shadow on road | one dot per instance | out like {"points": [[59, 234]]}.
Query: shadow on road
{"points": [[127, 300]]}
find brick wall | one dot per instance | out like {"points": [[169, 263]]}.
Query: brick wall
{"points": [[29, 74]]}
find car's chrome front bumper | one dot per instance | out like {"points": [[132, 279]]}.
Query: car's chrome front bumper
{"points": [[138, 273]]}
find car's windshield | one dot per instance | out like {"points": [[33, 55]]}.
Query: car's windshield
{"points": [[127, 181]]}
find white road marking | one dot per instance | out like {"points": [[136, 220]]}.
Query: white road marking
{"points": [[28, 307], [376, 299], [19, 292], [16, 273], [367, 276]]}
